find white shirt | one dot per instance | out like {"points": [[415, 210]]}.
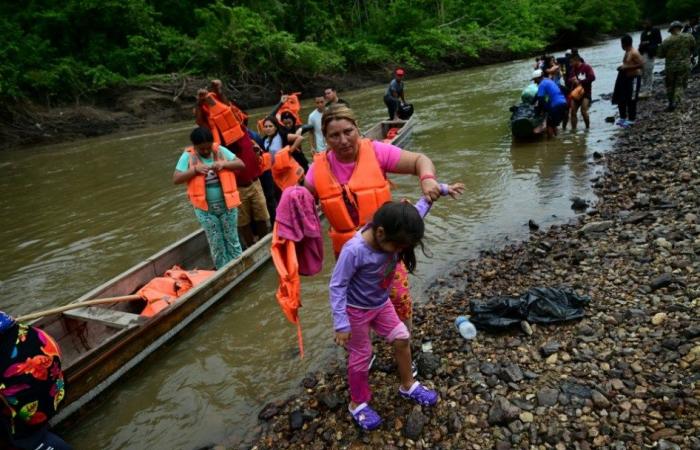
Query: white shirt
{"points": [[315, 120]]}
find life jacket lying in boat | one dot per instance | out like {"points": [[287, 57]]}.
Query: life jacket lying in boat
{"points": [[391, 134], [160, 292], [286, 171], [365, 192], [196, 186], [284, 257], [222, 121]]}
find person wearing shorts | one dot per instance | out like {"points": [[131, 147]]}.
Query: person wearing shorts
{"points": [[550, 98], [581, 74], [252, 212]]}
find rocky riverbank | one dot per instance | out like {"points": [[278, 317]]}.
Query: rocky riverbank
{"points": [[627, 376]]}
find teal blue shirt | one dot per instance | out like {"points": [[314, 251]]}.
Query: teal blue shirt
{"points": [[214, 193]]}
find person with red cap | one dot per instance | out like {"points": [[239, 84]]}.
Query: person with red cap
{"points": [[394, 94]]}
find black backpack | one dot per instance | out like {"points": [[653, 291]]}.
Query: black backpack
{"points": [[405, 111]]}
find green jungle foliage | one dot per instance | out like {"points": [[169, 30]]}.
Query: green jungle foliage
{"points": [[55, 51]]}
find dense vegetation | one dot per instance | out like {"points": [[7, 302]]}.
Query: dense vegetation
{"points": [[55, 51]]}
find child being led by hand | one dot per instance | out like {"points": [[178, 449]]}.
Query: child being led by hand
{"points": [[359, 298]]}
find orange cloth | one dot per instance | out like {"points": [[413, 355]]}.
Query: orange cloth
{"points": [[288, 293]]}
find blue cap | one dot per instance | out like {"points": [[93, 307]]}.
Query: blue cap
{"points": [[6, 322], [460, 319]]}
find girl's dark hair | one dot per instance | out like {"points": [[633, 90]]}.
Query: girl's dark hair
{"points": [[402, 226], [274, 122], [201, 135]]}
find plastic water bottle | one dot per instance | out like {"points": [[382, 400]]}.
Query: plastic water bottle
{"points": [[465, 327]]}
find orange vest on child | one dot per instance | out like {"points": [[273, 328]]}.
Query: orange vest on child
{"points": [[366, 190], [197, 189]]}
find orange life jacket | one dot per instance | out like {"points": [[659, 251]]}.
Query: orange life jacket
{"points": [[197, 189], [238, 113], [286, 171], [293, 106], [222, 121], [366, 190], [284, 257], [390, 135], [264, 162], [161, 292]]}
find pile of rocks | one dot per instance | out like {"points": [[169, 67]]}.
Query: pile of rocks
{"points": [[625, 377]]}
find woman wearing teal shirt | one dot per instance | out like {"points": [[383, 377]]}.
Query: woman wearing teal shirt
{"points": [[211, 186]]}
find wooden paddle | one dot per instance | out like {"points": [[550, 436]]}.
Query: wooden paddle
{"points": [[97, 301]]}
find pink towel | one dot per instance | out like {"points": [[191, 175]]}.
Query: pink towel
{"points": [[297, 220]]}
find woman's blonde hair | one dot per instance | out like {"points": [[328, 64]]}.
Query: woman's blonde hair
{"points": [[337, 111]]}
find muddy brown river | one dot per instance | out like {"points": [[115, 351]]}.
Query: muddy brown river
{"points": [[74, 215]]}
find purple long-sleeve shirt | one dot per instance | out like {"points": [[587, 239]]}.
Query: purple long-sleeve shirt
{"points": [[362, 275]]}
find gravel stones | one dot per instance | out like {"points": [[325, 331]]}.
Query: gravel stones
{"points": [[547, 397], [626, 376], [414, 424], [502, 411]]}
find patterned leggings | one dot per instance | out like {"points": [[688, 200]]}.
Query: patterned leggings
{"points": [[221, 227]]}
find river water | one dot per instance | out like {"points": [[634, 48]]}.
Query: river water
{"points": [[74, 215]]}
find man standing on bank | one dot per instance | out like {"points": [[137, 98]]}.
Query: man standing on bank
{"points": [[628, 83], [331, 97], [394, 94], [319, 143], [677, 49], [649, 41]]}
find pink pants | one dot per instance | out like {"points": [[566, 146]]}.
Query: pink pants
{"points": [[386, 323]]}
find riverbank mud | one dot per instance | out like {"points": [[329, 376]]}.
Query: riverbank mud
{"points": [[627, 376]]}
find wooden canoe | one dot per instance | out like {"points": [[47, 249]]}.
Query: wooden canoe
{"points": [[102, 343], [380, 130]]}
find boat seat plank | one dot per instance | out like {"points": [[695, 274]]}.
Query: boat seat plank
{"points": [[109, 317]]}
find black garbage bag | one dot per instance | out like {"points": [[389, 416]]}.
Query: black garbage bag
{"points": [[537, 305], [405, 111]]}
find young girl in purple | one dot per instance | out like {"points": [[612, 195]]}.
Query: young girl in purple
{"points": [[359, 298]]}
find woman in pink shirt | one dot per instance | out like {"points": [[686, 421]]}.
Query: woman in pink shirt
{"points": [[343, 139]]}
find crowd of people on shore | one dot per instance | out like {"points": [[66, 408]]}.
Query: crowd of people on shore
{"points": [[563, 86]]}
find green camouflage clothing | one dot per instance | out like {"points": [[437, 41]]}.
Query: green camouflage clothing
{"points": [[677, 49]]}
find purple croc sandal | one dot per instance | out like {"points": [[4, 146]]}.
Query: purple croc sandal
{"points": [[365, 417], [420, 394]]}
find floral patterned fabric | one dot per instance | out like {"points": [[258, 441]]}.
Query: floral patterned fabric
{"points": [[31, 380], [400, 293], [221, 227]]}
